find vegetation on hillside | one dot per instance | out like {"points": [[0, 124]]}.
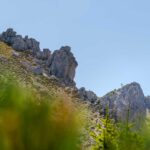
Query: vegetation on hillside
{"points": [[31, 122], [111, 135], [36, 114]]}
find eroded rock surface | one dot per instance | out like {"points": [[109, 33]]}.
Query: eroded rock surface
{"points": [[63, 64], [147, 102], [19, 43], [128, 101], [87, 95]]}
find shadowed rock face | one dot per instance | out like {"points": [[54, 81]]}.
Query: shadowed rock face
{"points": [[128, 101], [87, 95], [62, 64], [18, 42], [147, 102], [44, 55]]}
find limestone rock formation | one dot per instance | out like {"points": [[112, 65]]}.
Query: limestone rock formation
{"points": [[44, 55], [18, 42], [147, 102], [128, 101], [62, 64], [87, 95]]}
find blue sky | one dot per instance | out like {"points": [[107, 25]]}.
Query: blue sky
{"points": [[109, 38]]}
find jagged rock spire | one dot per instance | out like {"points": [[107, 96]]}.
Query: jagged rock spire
{"points": [[63, 65]]}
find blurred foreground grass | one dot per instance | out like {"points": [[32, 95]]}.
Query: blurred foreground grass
{"points": [[31, 122]]}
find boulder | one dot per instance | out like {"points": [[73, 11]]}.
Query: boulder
{"points": [[18, 44], [62, 64]]}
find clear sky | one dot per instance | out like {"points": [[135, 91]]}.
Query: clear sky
{"points": [[109, 38]]}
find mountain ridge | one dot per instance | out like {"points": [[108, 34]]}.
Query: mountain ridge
{"points": [[60, 67]]}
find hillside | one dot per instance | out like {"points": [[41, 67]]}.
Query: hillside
{"points": [[50, 76]]}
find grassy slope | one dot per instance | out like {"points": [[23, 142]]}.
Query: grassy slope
{"points": [[41, 85], [12, 64]]}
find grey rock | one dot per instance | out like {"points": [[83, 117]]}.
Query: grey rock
{"points": [[37, 70], [49, 61], [147, 102], [39, 54], [128, 101], [44, 55], [8, 36], [32, 44], [18, 42], [63, 64], [87, 95]]}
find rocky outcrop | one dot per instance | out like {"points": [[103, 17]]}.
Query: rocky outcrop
{"points": [[128, 101], [62, 64], [87, 95], [44, 55], [147, 102], [19, 43]]}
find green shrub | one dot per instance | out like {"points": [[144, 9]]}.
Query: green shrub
{"points": [[109, 135], [105, 134]]}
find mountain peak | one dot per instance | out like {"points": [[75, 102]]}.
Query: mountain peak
{"points": [[128, 98]]}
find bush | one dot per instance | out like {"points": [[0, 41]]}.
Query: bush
{"points": [[109, 135]]}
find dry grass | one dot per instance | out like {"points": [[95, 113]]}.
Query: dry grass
{"points": [[5, 50]]}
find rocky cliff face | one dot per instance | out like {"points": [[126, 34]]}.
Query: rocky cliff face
{"points": [[147, 102], [128, 101], [87, 95], [61, 63]]}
